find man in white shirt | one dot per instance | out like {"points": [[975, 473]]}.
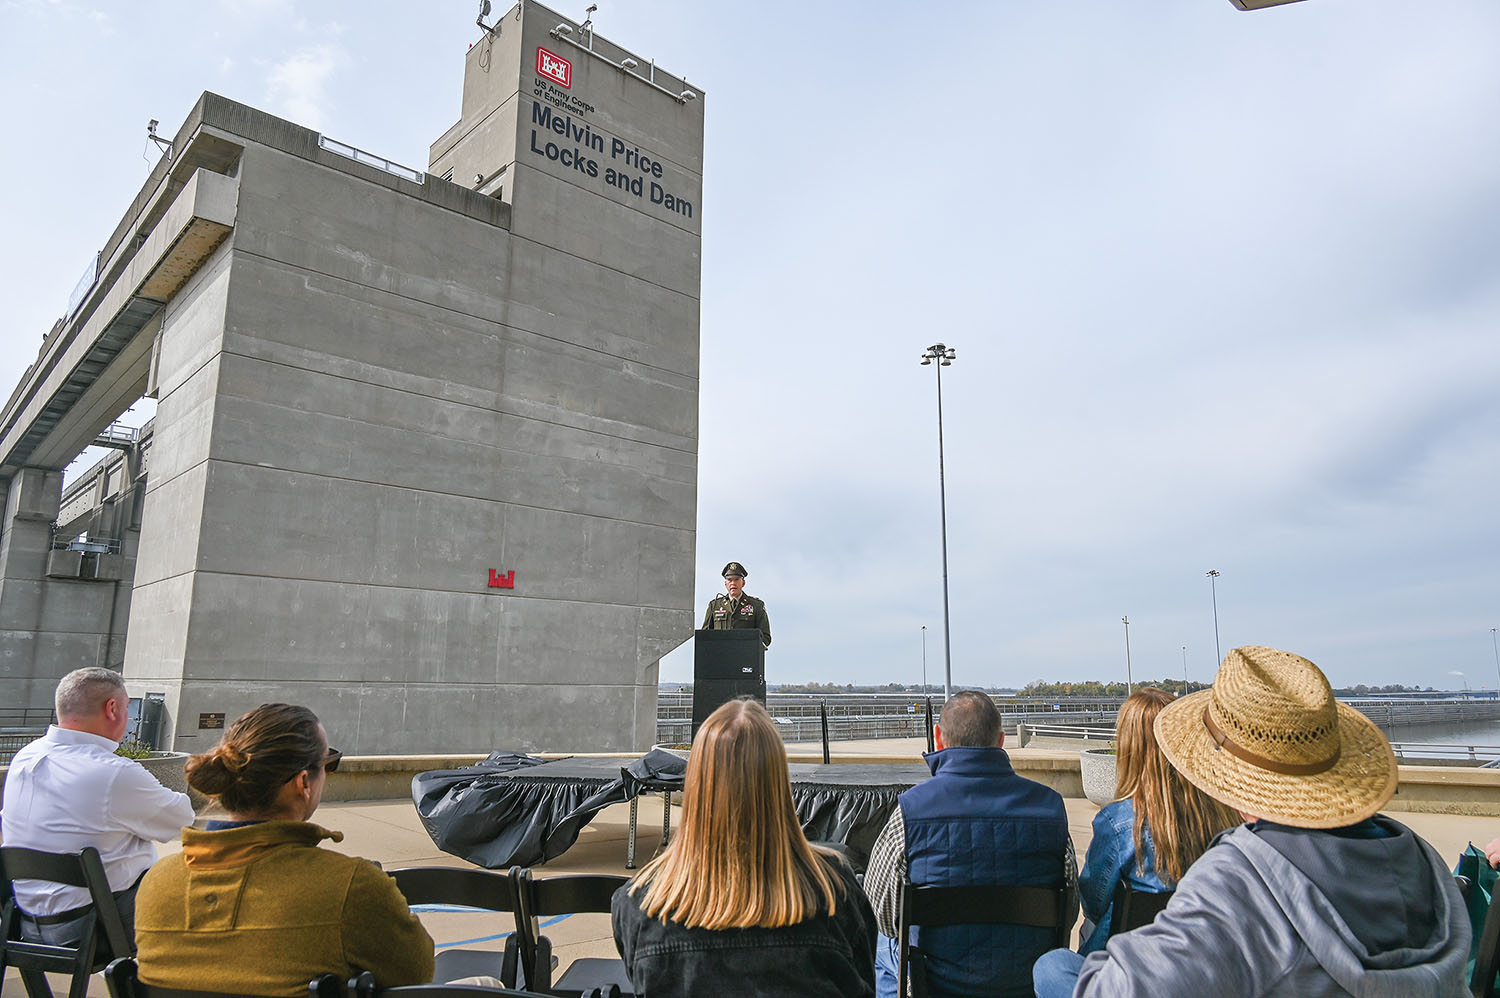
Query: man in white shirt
{"points": [[68, 790]]}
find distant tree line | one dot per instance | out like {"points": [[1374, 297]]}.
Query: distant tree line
{"points": [[1363, 691], [1095, 688], [1043, 689]]}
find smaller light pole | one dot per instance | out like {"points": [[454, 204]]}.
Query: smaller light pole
{"points": [[1129, 685], [1184, 671], [924, 660], [1213, 578], [1496, 648]]}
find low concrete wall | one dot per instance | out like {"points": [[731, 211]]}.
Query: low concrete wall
{"points": [[1429, 789], [1432, 789], [1447, 790], [388, 777], [385, 777]]}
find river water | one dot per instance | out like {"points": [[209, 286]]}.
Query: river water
{"points": [[1470, 733]]}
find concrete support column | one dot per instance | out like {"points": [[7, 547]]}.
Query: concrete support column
{"points": [[28, 672]]}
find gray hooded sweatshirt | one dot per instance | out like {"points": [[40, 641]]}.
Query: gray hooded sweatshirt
{"points": [[1271, 910]]}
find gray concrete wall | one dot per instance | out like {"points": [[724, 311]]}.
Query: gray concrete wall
{"points": [[370, 400]]}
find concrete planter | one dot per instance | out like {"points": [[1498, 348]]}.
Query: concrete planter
{"points": [[170, 770], [1097, 766]]}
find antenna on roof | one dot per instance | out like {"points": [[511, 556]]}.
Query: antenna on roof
{"points": [[484, 11]]}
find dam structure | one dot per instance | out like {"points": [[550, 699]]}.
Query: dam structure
{"points": [[425, 449]]}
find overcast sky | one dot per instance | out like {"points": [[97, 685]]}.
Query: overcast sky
{"points": [[1224, 287]]}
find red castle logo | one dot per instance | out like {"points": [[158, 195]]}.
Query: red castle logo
{"points": [[554, 67]]}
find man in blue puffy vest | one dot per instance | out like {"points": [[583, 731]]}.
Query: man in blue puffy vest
{"points": [[974, 822]]}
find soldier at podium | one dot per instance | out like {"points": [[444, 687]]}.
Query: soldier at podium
{"points": [[736, 608]]}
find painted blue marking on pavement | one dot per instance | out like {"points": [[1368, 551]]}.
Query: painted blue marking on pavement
{"points": [[485, 939]]}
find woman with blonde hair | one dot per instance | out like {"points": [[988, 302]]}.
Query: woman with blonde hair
{"points": [[1158, 826], [252, 905], [740, 900]]}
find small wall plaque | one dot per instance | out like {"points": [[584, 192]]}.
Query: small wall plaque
{"points": [[506, 581], [206, 721]]}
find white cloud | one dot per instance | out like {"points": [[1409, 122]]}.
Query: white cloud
{"points": [[297, 86]]}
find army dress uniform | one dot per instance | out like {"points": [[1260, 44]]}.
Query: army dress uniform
{"points": [[745, 611], [725, 614]]}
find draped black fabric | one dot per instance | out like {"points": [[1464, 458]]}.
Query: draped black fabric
{"points": [[850, 804], [655, 771], [517, 810]]}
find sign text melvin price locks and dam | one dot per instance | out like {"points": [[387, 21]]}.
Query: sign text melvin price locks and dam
{"points": [[624, 166]]}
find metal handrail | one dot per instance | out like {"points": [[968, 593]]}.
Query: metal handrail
{"points": [[95, 545], [1415, 750], [1438, 750], [1070, 731], [370, 159]]}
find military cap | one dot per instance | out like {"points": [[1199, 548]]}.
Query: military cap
{"points": [[735, 568]]}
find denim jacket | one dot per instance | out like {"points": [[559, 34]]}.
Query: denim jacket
{"points": [[825, 956], [1111, 859]]}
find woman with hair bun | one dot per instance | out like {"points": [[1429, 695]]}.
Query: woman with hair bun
{"points": [[252, 905], [740, 901]]}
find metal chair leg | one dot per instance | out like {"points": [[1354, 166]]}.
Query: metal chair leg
{"points": [[630, 842]]}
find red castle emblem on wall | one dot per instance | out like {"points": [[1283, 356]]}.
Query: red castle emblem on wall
{"points": [[554, 67]]}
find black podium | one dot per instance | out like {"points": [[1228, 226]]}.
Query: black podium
{"points": [[726, 665]]}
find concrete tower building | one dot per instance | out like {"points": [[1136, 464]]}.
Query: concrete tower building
{"points": [[425, 451]]}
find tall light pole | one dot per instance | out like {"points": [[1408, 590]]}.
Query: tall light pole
{"points": [[1184, 671], [924, 660], [944, 355], [1129, 685], [1213, 576]]}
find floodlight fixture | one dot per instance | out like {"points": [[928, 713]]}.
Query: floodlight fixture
{"points": [[484, 11]]}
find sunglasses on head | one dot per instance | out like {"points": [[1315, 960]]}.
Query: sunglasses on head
{"points": [[331, 761]]}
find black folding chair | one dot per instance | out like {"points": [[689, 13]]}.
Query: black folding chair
{"points": [[104, 935], [565, 896], [364, 986], [1487, 955], [997, 904], [1133, 909], [123, 978], [471, 888]]}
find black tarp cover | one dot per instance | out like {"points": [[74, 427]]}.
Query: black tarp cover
{"points": [[516, 809]]}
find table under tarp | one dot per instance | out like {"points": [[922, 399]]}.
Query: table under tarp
{"points": [[518, 810]]}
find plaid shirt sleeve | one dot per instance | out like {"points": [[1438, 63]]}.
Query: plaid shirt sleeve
{"points": [[886, 873]]}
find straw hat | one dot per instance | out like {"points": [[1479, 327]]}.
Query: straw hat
{"points": [[1269, 739]]}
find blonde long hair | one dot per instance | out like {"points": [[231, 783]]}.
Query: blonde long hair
{"points": [[1182, 818], [739, 858]]}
